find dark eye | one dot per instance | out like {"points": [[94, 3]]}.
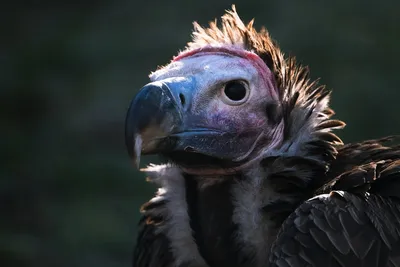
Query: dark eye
{"points": [[235, 92]]}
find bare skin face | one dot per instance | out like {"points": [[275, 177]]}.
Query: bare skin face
{"points": [[210, 70], [224, 94]]}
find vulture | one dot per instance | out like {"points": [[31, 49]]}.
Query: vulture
{"points": [[252, 173]]}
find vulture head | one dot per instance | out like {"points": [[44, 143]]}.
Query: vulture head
{"points": [[227, 101]]}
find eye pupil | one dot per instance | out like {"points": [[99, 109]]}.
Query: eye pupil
{"points": [[235, 90]]}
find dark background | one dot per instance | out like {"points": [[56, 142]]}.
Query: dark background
{"points": [[68, 193]]}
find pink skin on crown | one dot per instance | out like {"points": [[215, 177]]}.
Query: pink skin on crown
{"points": [[253, 58]]}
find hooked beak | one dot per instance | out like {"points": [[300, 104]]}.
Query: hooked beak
{"points": [[152, 116]]}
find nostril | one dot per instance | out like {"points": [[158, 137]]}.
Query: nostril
{"points": [[182, 98]]}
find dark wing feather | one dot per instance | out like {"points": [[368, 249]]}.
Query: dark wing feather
{"points": [[356, 222], [152, 246], [339, 230]]}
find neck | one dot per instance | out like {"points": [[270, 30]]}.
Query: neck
{"points": [[236, 221], [210, 209], [229, 223], [233, 220]]}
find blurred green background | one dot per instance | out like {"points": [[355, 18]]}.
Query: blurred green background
{"points": [[68, 193]]}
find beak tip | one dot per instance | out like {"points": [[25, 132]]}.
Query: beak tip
{"points": [[151, 116], [137, 150]]}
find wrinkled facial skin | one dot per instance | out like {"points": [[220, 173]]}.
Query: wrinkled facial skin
{"points": [[185, 109], [208, 73]]}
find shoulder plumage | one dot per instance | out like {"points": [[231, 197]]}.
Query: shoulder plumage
{"points": [[370, 166]]}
